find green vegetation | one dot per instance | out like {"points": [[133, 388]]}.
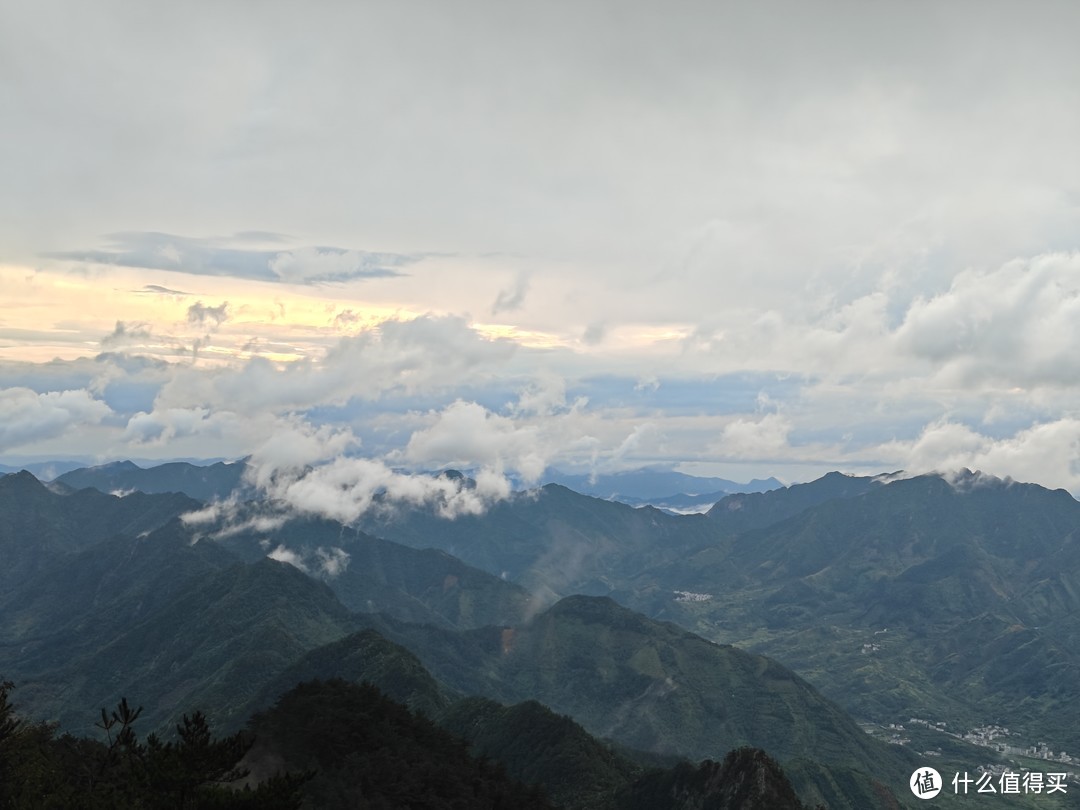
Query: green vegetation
{"points": [[916, 599], [40, 770], [912, 599], [537, 745], [747, 779], [369, 751], [417, 585]]}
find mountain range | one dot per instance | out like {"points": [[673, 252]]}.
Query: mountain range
{"points": [[222, 479], [946, 599], [150, 612]]}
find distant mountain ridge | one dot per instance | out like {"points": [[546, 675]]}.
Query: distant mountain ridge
{"points": [[651, 485], [204, 483], [219, 480], [743, 511]]}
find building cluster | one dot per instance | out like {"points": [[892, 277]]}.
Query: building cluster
{"points": [[690, 596]]}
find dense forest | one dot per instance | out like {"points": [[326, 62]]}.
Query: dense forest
{"points": [[335, 744]]}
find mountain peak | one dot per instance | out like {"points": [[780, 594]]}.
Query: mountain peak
{"points": [[595, 610], [21, 482]]}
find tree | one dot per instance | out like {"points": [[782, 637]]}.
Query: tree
{"points": [[196, 771]]}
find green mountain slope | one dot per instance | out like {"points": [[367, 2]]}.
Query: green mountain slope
{"points": [[363, 657], [553, 541], [955, 602], [369, 751], [38, 525], [650, 685], [213, 644], [537, 745], [375, 575], [754, 510]]}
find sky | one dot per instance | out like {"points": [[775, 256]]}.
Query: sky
{"points": [[735, 239]]}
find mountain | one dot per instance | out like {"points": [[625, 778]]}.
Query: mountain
{"points": [[204, 483], [39, 524], [42, 470], [552, 540], [99, 602], [747, 779], [536, 745], [680, 504], [755, 510], [580, 772], [363, 657], [368, 751], [212, 645], [951, 600], [651, 686], [372, 575], [95, 593], [533, 743], [652, 485]]}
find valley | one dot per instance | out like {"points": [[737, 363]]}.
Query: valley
{"points": [[896, 599]]}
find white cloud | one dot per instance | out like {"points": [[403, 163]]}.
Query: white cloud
{"points": [[1017, 325], [294, 445], [346, 488], [1047, 453], [405, 357], [332, 561], [162, 426], [27, 417], [326, 563], [467, 434], [766, 437], [285, 555]]}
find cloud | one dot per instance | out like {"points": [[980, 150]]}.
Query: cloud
{"points": [[512, 298], [199, 313], [346, 488], [1017, 325], [766, 437], [282, 554], [157, 289], [332, 561], [407, 357], [163, 426], [27, 417], [594, 334], [1048, 452], [346, 318], [302, 469], [466, 434], [228, 257], [321, 264], [325, 563], [293, 447], [126, 333], [649, 384], [544, 396]]}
